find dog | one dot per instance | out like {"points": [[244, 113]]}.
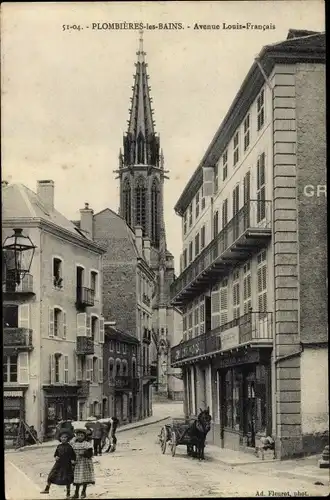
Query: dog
{"points": [[264, 443]]}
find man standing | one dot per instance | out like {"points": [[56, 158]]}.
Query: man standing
{"points": [[112, 426], [97, 438]]}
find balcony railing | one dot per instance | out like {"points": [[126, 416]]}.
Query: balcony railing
{"points": [[121, 382], [83, 388], [246, 232], [18, 338], [85, 297], [24, 287], [84, 346], [254, 327], [146, 300]]}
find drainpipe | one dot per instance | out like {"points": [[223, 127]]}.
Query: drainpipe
{"points": [[268, 83]]}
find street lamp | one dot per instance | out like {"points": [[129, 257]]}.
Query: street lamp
{"points": [[19, 251]]}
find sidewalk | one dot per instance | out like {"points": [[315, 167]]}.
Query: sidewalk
{"points": [[306, 469], [161, 412]]}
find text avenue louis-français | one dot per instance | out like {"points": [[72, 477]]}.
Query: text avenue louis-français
{"points": [[169, 26]]}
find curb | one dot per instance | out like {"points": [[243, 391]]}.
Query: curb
{"points": [[120, 429]]}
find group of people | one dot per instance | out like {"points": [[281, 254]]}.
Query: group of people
{"points": [[73, 456]]}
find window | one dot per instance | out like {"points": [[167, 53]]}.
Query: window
{"points": [[190, 324], [140, 204], [247, 287], [260, 110], [118, 368], [57, 273], [190, 252], [184, 324], [134, 372], [95, 373], [185, 262], [261, 188], [215, 308], [215, 224], [124, 349], [236, 148], [118, 347], [10, 316], [185, 223], [57, 375], [125, 368], [94, 283], [203, 199], [225, 213], [262, 283], [127, 200], [155, 191], [111, 346], [196, 244], [196, 320], [236, 296], [57, 321], [225, 165], [246, 132], [203, 237], [216, 178], [190, 215], [197, 205], [201, 316], [94, 327], [10, 368], [111, 365], [236, 228], [224, 302], [66, 369]]}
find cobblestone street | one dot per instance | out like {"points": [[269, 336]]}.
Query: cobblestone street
{"points": [[139, 470]]}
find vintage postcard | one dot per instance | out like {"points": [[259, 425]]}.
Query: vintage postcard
{"points": [[164, 249]]}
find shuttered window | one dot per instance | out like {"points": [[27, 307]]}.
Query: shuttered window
{"points": [[203, 237], [260, 110], [23, 368], [190, 324], [224, 302], [236, 149], [202, 316], [225, 213], [64, 324], [78, 368], [261, 188], [66, 369], [247, 288], [196, 244], [246, 132], [196, 321], [24, 315], [262, 282], [101, 324], [215, 308], [236, 295], [208, 181], [225, 165], [100, 370], [215, 224]]}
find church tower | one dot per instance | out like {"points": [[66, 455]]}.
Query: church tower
{"points": [[142, 175]]}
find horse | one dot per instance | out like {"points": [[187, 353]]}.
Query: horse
{"points": [[198, 432]]}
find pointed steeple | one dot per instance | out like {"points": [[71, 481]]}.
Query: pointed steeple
{"points": [[141, 145]]}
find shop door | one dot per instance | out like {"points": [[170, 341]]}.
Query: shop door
{"points": [[249, 414]]}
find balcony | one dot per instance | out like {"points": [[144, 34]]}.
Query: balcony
{"points": [[83, 388], [121, 382], [146, 300], [10, 287], [18, 339], [252, 328], [246, 233], [85, 297], [84, 346]]}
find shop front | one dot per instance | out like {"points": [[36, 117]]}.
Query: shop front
{"points": [[61, 403], [244, 396], [14, 413]]}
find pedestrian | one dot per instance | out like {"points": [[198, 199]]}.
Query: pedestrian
{"points": [[97, 438], [62, 471], [112, 427], [84, 469]]}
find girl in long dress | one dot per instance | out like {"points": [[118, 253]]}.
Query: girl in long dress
{"points": [[84, 469], [62, 471]]}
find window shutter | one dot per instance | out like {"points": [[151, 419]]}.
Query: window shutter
{"points": [[52, 368], [247, 182], [66, 369], [202, 318], [224, 304], [208, 181], [100, 370], [64, 324], [101, 322], [24, 316], [88, 368], [81, 324], [215, 309], [88, 325], [78, 369], [51, 322], [23, 368]]}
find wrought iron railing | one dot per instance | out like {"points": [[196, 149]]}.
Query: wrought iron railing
{"points": [[83, 388], [253, 326], [254, 214], [85, 296], [17, 337], [121, 382], [84, 345], [25, 285]]}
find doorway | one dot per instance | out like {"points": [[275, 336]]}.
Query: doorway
{"points": [[249, 413]]}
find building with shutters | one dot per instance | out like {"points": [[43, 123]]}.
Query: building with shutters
{"points": [[252, 286], [53, 323]]}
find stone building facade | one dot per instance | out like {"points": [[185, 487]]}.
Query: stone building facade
{"points": [[253, 286], [53, 331]]}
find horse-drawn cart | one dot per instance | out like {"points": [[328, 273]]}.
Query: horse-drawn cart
{"points": [[177, 433]]}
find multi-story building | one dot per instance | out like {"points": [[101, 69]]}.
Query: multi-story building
{"points": [[253, 286], [121, 381], [53, 323]]}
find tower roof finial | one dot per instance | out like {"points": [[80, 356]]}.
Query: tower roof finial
{"points": [[141, 52]]}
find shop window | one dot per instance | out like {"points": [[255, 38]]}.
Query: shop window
{"points": [[10, 368]]}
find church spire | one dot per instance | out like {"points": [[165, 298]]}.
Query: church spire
{"points": [[141, 145]]}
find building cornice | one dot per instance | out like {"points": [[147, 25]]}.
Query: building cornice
{"points": [[54, 229], [144, 266], [250, 88]]}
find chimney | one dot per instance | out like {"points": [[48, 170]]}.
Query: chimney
{"points": [[86, 220], [138, 239], [146, 250], [45, 191]]}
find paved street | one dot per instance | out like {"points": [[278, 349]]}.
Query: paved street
{"points": [[139, 470]]}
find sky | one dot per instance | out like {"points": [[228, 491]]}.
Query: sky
{"points": [[66, 92]]}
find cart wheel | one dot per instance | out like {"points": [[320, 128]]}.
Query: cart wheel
{"points": [[163, 439], [173, 443]]}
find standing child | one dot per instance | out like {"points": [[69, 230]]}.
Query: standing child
{"points": [[62, 471], [84, 469]]}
